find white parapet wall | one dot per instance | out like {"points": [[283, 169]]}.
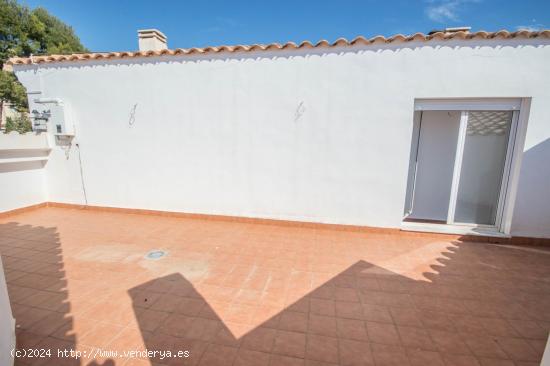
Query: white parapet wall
{"points": [[22, 177], [7, 330], [319, 135]]}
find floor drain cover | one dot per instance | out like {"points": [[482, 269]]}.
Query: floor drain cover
{"points": [[155, 254]]}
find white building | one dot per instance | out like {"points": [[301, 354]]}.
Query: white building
{"points": [[442, 132]]}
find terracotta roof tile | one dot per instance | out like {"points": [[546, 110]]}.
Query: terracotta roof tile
{"points": [[340, 42]]}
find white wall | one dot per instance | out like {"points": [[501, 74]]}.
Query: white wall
{"points": [[22, 185], [319, 135], [22, 174], [7, 330]]}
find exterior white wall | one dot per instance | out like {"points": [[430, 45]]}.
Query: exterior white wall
{"points": [[22, 185], [7, 330], [22, 174], [320, 135]]}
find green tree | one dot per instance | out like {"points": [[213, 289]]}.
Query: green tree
{"points": [[53, 35], [20, 123], [12, 91], [24, 32]]}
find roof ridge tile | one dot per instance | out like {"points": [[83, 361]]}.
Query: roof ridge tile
{"points": [[340, 42]]}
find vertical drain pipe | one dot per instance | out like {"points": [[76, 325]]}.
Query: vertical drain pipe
{"points": [[82, 175]]}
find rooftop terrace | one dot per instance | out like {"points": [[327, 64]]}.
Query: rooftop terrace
{"points": [[235, 293]]}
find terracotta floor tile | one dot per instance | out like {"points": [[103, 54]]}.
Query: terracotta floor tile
{"points": [[377, 313], [286, 292], [319, 363], [224, 294], [214, 310], [150, 320], [448, 342], [300, 306], [100, 335], [484, 347], [110, 311], [322, 348], [498, 327], [404, 316], [436, 321], [160, 342], [481, 308], [323, 292], [349, 310], [468, 325], [351, 329], [322, 307], [203, 329], [322, 325], [18, 294], [495, 362], [174, 324], [355, 353], [293, 321], [127, 339], [55, 346], [382, 333], [460, 360], [167, 303], [260, 339], [251, 358], [529, 329], [517, 349], [196, 350], [31, 316], [226, 337], [49, 324], [39, 297], [425, 358], [189, 306], [290, 344], [273, 298], [385, 355], [346, 294], [267, 316], [416, 338], [538, 345], [235, 280], [240, 313], [248, 297], [368, 283], [279, 360], [217, 355], [28, 340], [136, 362]]}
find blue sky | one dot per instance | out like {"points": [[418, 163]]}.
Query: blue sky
{"points": [[110, 25]]}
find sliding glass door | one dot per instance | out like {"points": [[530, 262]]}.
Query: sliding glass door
{"points": [[460, 163], [484, 150]]}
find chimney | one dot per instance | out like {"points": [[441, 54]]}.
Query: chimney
{"points": [[458, 29], [451, 30], [151, 40]]}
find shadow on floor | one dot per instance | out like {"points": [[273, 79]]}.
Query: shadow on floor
{"points": [[478, 304], [38, 290], [461, 313]]}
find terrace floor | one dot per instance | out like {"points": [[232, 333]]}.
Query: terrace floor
{"points": [[257, 294]]}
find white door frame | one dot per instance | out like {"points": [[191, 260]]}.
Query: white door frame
{"points": [[457, 166], [520, 108], [413, 164]]}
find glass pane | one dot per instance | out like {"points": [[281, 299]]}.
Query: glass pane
{"points": [[482, 168], [439, 132]]}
